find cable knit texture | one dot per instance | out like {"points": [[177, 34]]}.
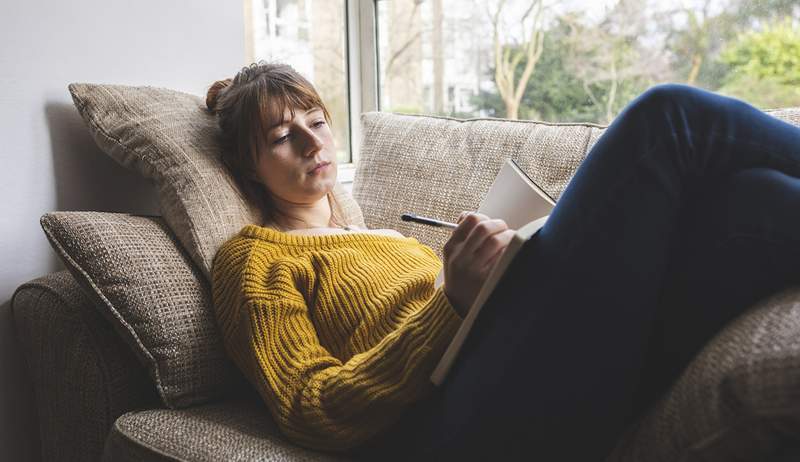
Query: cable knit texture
{"points": [[339, 333]]}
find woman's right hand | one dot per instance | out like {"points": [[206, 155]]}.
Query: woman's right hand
{"points": [[469, 256]]}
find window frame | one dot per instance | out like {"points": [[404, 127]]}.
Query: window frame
{"points": [[362, 78], [362, 69]]}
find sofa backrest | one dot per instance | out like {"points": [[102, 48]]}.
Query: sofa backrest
{"points": [[438, 166]]}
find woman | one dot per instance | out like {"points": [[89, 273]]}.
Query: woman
{"points": [[681, 216]]}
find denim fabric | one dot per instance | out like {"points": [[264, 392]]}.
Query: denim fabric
{"points": [[683, 214]]}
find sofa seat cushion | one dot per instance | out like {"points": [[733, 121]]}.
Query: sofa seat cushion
{"points": [[236, 430]]}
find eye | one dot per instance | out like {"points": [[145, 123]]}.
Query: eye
{"points": [[282, 139], [318, 123]]}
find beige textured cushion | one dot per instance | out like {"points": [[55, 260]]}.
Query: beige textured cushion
{"points": [[231, 431], [739, 398], [171, 139], [437, 166], [152, 294], [440, 166]]}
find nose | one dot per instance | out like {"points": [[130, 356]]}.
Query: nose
{"points": [[311, 143]]}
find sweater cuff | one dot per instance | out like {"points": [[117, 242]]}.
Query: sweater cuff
{"points": [[446, 301]]}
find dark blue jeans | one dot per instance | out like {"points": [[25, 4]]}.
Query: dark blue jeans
{"points": [[685, 213]]}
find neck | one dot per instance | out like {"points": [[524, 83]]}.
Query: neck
{"points": [[302, 216]]}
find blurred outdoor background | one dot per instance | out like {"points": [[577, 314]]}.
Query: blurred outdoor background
{"points": [[560, 61]]}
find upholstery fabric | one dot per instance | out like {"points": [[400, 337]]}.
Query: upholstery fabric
{"points": [[171, 139], [739, 400], [151, 292], [438, 167], [84, 376], [234, 430], [736, 400]]}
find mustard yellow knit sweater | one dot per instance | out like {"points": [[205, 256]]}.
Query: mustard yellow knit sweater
{"points": [[339, 333]]}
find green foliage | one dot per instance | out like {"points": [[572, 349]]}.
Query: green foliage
{"points": [[772, 53], [732, 50], [764, 66], [764, 93]]}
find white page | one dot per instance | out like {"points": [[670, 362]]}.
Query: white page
{"points": [[514, 198]]}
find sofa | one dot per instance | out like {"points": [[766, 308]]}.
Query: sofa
{"points": [[122, 345]]}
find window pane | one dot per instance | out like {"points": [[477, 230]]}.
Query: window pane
{"points": [[581, 60], [309, 35]]}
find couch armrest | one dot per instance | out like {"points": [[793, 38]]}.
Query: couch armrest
{"points": [[738, 400], [84, 375]]}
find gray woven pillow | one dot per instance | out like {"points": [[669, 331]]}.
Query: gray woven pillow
{"points": [[154, 296], [170, 138], [439, 166]]}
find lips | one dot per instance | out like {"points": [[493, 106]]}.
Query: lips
{"points": [[318, 167]]}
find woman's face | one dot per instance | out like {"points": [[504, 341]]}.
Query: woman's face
{"points": [[298, 164]]}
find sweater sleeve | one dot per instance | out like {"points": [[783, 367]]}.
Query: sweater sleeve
{"points": [[317, 400]]}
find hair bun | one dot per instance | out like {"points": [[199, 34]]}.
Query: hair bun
{"points": [[212, 98]]}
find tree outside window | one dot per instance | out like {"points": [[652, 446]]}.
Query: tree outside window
{"points": [[581, 60]]}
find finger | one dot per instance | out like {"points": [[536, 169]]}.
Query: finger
{"points": [[462, 215], [468, 220], [490, 264], [481, 232], [492, 261], [465, 227], [493, 246]]}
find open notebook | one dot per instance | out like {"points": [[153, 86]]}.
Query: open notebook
{"points": [[524, 206]]}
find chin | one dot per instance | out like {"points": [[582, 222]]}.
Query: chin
{"points": [[330, 179], [323, 187]]}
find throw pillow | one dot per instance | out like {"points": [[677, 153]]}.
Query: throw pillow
{"points": [[170, 138], [738, 400], [440, 166], [153, 295]]}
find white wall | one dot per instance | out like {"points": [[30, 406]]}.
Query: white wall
{"points": [[47, 159]]}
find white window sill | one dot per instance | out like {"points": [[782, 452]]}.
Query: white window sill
{"points": [[345, 176]]}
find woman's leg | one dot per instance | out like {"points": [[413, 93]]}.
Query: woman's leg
{"points": [[736, 245], [551, 367]]}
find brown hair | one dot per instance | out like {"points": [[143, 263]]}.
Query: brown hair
{"points": [[246, 106]]}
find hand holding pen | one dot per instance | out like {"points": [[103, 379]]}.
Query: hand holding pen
{"points": [[469, 254]]}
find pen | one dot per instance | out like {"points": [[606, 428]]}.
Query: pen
{"points": [[426, 221]]}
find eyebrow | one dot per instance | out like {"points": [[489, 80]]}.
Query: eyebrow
{"points": [[286, 121]]}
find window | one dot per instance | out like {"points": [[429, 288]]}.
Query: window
{"points": [[554, 60], [310, 35], [580, 60]]}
